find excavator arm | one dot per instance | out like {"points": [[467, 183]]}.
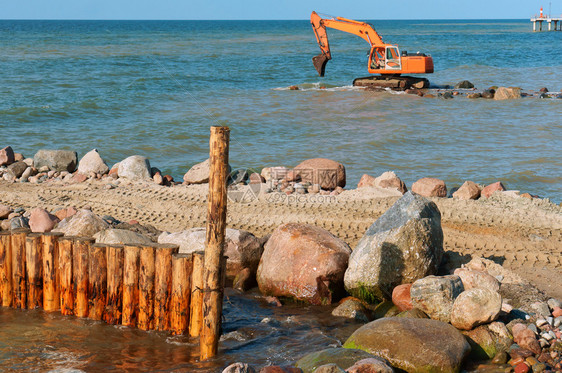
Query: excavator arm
{"points": [[319, 24]]}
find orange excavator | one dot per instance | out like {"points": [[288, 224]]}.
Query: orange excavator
{"points": [[384, 59]]}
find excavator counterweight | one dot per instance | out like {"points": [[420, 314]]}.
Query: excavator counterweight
{"points": [[384, 58]]}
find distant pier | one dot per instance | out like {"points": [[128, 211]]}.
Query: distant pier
{"points": [[556, 21]]}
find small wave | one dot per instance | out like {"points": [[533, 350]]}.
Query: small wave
{"points": [[319, 87]]}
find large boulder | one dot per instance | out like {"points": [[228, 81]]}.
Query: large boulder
{"points": [[56, 160], [135, 167], [491, 189], [7, 156], [413, 345], [199, 173], [507, 93], [304, 262], [92, 162], [430, 187], [41, 220], [435, 295], [402, 246], [475, 307], [114, 236], [242, 248], [477, 279], [328, 174], [388, 180], [84, 224], [342, 357]]}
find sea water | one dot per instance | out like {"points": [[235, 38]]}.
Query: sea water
{"points": [[155, 87]]}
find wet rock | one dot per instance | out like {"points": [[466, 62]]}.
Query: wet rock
{"points": [[56, 160], [491, 189], [244, 280], [114, 236], [525, 338], [403, 245], [304, 262], [401, 297], [5, 211], [84, 224], [92, 162], [435, 295], [468, 190], [430, 187], [329, 368], [507, 93], [414, 313], [474, 95], [385, 309], [543, 90], [342, 357], [239, 368], [371, 365], [7, 156], [327, 173], [414, 345], [280, 369], [446, 95], [351, 308], [135, 167], [477, 279], [475, 307], [489, 93], [465, 84], [41, 221], [17, 168], [242, 248]]}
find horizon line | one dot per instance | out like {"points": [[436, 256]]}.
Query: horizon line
{"points": [[256, 19]]}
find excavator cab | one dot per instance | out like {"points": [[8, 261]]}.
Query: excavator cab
{"points": [[393, 59]]}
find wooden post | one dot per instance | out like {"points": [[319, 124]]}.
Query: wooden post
{"points": [[19, 285], [163, 285], [5, 269], [65, 246], [97, 281], [182, 265], [80, 254], [146, 288], [214, 243], [131, 269], [196, 303], [114, 305], [34, 270], [51, 272]]}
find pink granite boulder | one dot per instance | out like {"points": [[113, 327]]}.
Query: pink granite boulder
{"points": [[491, 189], [327, 173], [41, 220], [401, 297], [468, 190], [430, 187], [6, 156]]}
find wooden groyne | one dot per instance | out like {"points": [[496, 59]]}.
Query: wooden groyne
{"points": [[145, 286]]}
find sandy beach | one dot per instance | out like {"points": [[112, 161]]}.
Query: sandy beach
{"points": [[524, 235]]}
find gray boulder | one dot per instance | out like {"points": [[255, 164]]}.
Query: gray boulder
{"points": [[402, 246], [92, 162], [114, 236], [135, 167], [413, 345], [56, 160], [84, 224], [435, 295], [465, 84]]}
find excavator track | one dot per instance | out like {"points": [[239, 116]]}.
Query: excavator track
{"points": [[396, 83]]}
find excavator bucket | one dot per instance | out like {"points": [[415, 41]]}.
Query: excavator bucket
{"points": [[320, 62]]}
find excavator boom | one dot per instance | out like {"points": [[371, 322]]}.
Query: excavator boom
{"points": [[383, 58]]}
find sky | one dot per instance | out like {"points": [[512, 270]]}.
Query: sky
{"points": [[269, 10]]}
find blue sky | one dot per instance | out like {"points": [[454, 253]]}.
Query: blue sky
{"points": [[280, 9]]}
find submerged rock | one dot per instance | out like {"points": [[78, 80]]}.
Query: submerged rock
{"points": [[403, 245], [465, 84], [505, 93], [342, 357], [303, 262], [413, 345]]}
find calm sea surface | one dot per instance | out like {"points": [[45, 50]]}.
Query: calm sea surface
{"points": [[154, 88]]}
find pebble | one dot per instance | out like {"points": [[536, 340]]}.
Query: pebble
{"points": [[541, 322], [522, 368]]}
